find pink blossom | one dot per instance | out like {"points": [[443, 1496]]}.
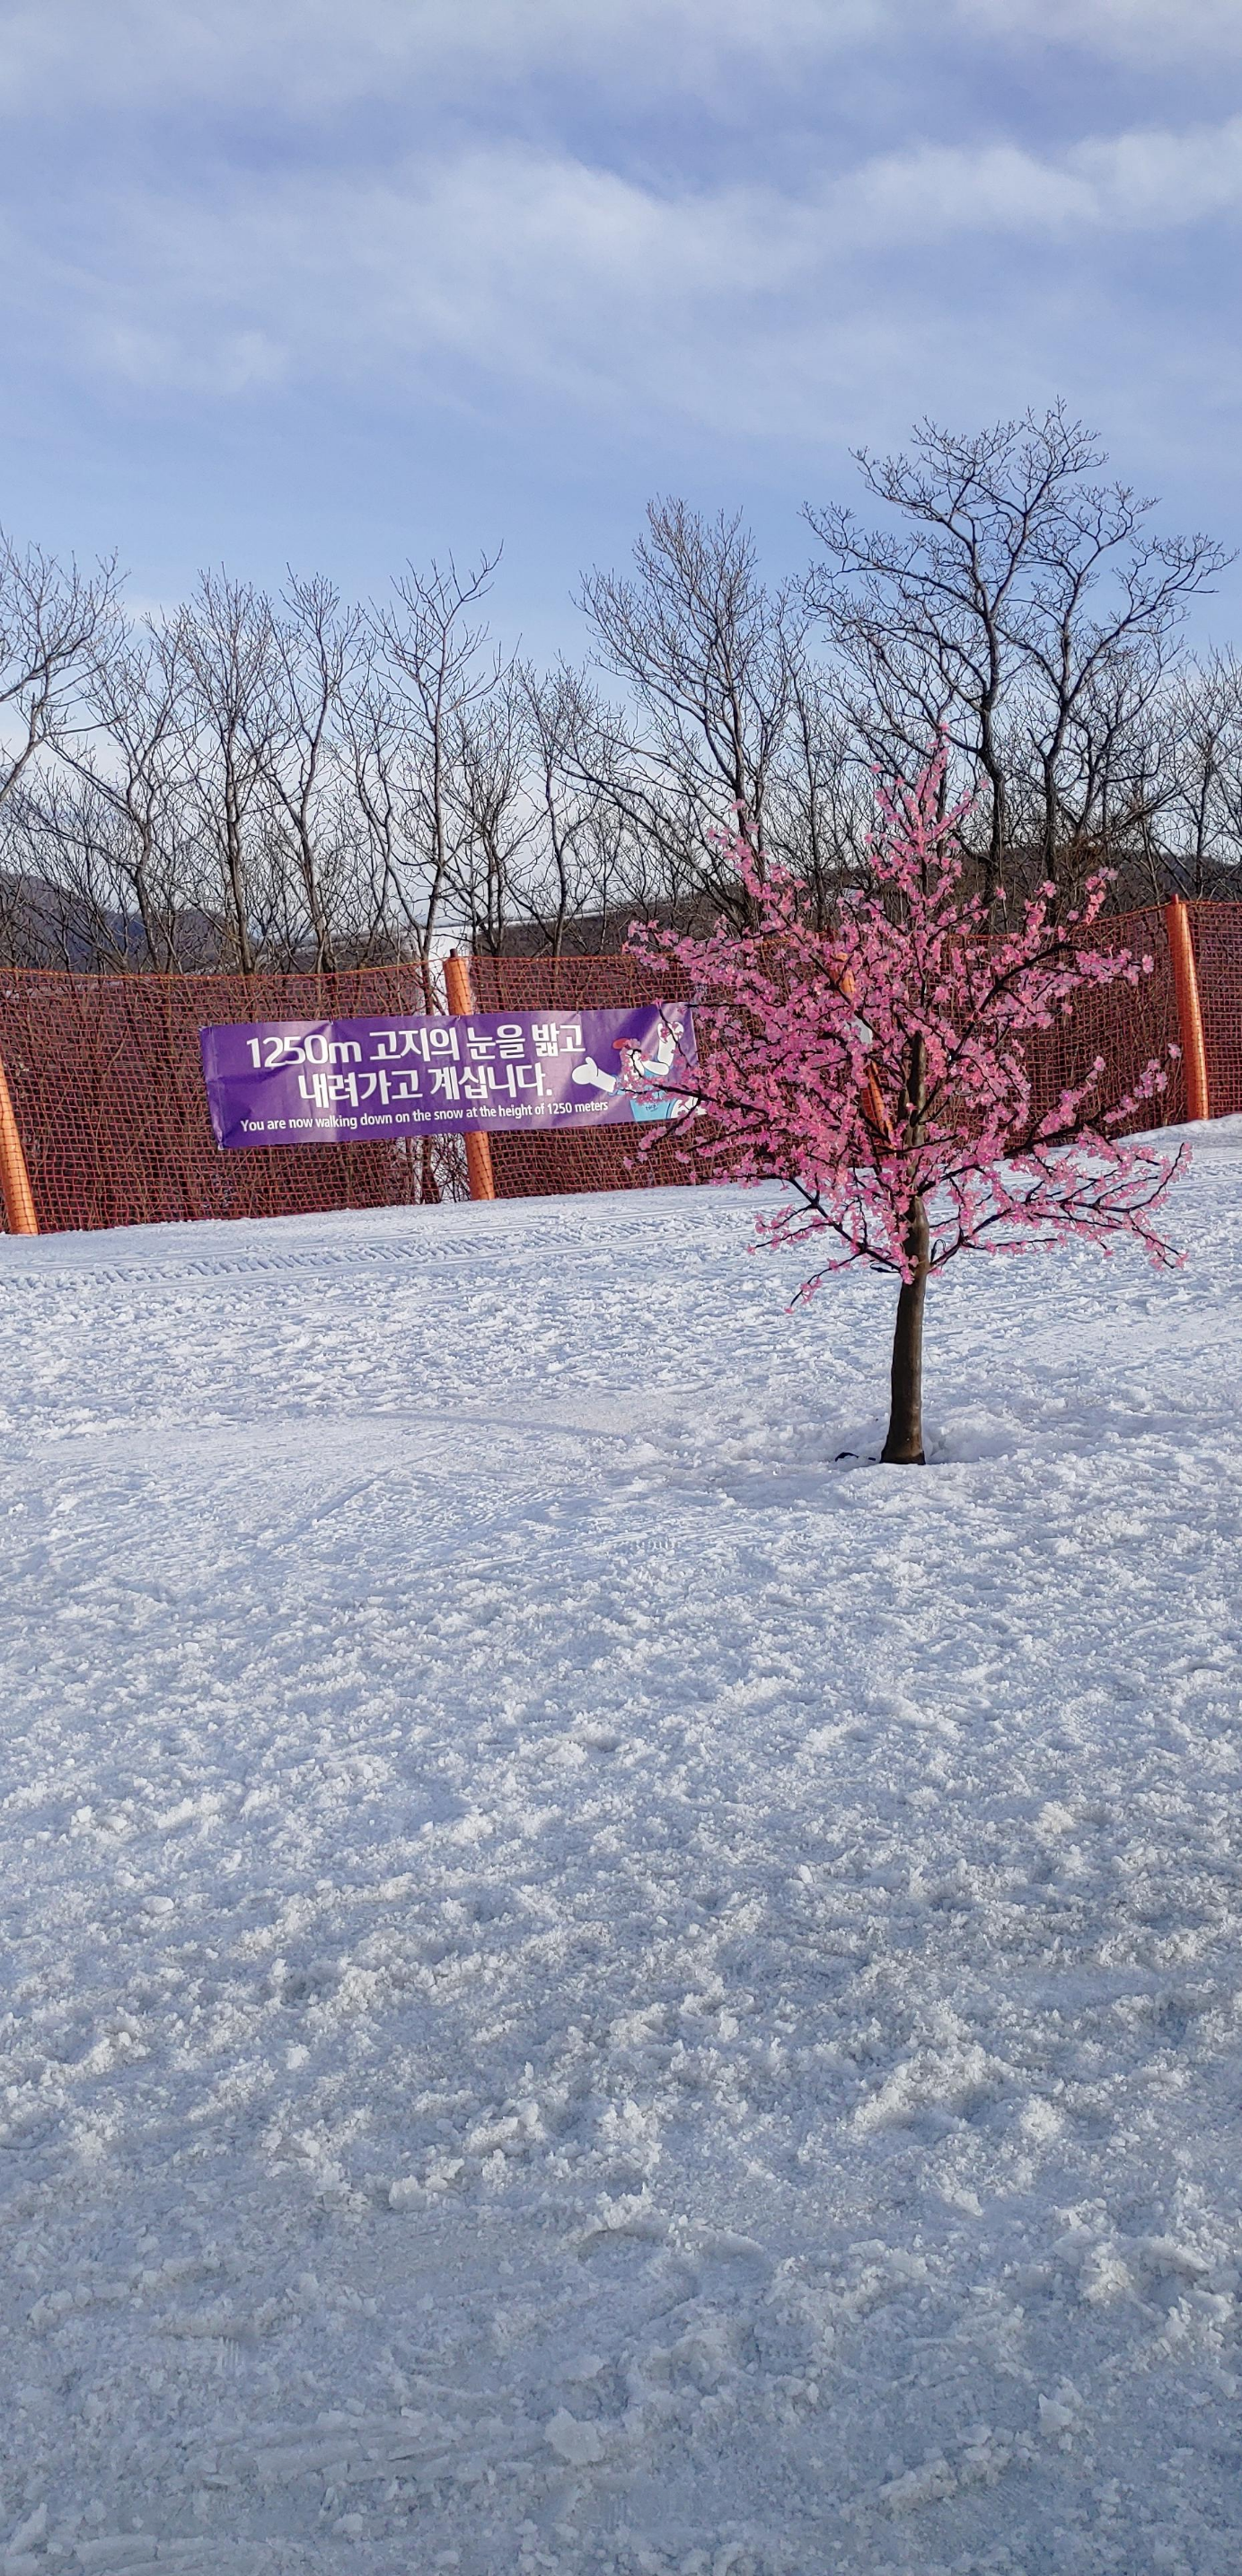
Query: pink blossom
{"points": [[880, 1069]]}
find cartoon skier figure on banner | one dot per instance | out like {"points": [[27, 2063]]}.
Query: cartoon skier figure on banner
{"points": [[646, 1067]]}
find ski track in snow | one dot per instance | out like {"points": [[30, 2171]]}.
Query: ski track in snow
{"points": [[591, 1986]]}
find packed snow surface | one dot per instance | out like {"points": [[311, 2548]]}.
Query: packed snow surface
{"points": [[593, 1984]]}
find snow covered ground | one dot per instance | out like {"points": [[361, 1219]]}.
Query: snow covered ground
{"points": [[588, 1988]]}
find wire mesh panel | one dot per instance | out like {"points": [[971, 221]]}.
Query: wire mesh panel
{"points": [[1216, 931], [1126, 1024], [530, 1165], [108, 1091]]}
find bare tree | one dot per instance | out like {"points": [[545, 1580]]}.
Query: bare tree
{"points": [[316, 645], [436, 665], [68, 878], [821, 801], [578, 883], [131, 760], [492, 830], [1015, 576], [1201, 775], [308, 782], [707, 652], [54, 623], [222, 650]]}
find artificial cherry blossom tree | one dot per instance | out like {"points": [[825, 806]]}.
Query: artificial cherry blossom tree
{"points": [[880, 1069]]}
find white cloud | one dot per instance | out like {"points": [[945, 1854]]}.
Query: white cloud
{"points": [[245, 228], [937, 190], [1157, 180], [1141, 181], [216, 362], [1144, 33], [510, 269], [311, 55], [527, 267]]}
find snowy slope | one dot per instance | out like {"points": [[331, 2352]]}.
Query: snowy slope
{"points": [[589, 1989]]}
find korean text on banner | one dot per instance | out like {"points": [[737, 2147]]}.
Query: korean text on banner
{"points": [[306, 1082]]}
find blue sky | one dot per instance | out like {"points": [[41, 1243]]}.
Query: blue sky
{"points": [[345, 281]]}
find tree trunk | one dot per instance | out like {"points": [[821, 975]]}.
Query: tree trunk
{"points": [[903, 1446]]}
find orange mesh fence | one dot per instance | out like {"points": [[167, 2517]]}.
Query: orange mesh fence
{"points": [[531, 1165], [1126, 1024], [1216, 934], [107, 1085]]}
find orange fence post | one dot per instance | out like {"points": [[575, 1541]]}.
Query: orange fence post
{"points": [[19, 1206], [873, 1097], [1189, 1013], [478, 1150]]}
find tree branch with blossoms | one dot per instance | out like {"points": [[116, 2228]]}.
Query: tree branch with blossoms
{"points": [[880, 1069]]}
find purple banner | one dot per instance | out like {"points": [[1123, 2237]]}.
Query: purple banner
{"points": [[327, 1082]]}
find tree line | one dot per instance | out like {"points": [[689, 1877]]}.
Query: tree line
{"points": [[258, 782]]}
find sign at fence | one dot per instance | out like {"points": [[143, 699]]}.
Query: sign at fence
{"points": [[331, 1082]]}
